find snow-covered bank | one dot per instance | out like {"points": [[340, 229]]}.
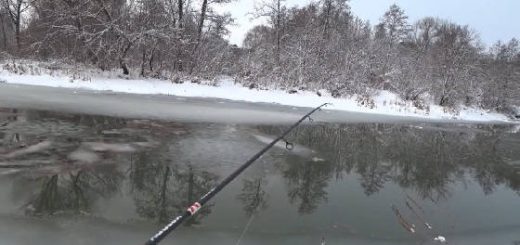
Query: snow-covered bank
{"points": [[383, 103]]}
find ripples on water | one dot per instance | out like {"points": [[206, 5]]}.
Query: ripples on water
{"points": [[357, 183]]}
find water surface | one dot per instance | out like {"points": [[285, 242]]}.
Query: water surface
{"points": [[84, 179]]}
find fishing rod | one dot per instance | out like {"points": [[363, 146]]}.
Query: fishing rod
{"points": [[159, 236]]}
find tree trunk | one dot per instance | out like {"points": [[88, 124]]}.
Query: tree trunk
{"points": [[327, 19], [18, 25], [180, 11], [202, 19], [143, 62], [17, 34], [199, 35], [179, 63], [4, 34], [124, 66], [152, 57], [122, 59], [278, 32]]}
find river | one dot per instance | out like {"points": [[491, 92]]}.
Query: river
{"points": [[80, 178]]}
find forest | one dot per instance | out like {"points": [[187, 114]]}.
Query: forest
{"points": [[320, 46]]}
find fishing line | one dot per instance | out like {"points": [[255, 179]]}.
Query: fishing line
{"points": [[195, 207], [246, 228], [257, 209]]}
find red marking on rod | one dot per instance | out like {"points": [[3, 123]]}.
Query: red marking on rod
{"points": [[194, 208]]}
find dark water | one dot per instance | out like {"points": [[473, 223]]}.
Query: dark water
{"points": [[78, 179]]}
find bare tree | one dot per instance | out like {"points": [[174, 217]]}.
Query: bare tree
{"points": [[3, 26], [322, 45], [395, 23], [454, 58], [504, 73], [274, 10], [15, 9]]}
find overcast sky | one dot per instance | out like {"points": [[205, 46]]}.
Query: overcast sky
{"points": [[493, 19]]}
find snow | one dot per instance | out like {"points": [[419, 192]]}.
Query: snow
{"points": [[440, 239], [383, 103]]}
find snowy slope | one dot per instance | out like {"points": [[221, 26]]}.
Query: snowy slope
{"points": [[384, 102]]}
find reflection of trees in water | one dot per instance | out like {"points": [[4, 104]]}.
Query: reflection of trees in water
{"points": [[370, 161], [10, 138], [68, 185], [74, 192], [253, 196], [426, 160], [492, 161], [163, 189], [306, 182], [60, 184]]}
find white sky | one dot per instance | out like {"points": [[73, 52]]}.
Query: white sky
{"points": [[492, 19]]}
